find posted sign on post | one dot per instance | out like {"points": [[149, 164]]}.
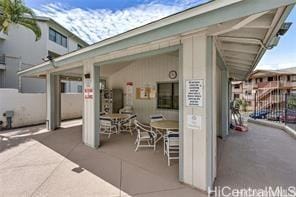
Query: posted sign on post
{"points": [[194, 93]]}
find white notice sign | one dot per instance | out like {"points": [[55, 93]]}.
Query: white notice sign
{"points": [[194, 93], [193, 122]]}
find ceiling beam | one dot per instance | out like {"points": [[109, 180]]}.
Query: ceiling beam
{"points": [[238, 69], [239, 56], [233, 25], [263, 22], [239, 61], [248, 20], [254, 52], [239, 66], [251, 41]]}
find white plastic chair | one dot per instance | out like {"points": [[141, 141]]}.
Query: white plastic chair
{"points": [[145, 134], [107, 127], [156, 117], [127, 124], [126, 110], [171, 146]]}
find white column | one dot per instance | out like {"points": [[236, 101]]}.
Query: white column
{"points": [[53, 98], [91, 111], [225, 103], [197, 144]]}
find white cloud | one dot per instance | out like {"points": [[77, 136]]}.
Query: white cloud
{"points": [[93, 25]]}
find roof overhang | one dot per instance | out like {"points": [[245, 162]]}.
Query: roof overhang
{"points": [[242, 42], [233, 14]]}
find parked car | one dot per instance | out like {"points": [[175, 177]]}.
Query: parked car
{"points": [[275, 115], [262, 114], [289, 116]]}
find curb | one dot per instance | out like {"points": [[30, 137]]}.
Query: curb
{"points": [[283, 127]]}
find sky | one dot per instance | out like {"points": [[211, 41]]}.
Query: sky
{"points": [[94, 20]]}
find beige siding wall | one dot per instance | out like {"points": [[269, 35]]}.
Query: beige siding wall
{"points": [[194, 141], [146, 73]]}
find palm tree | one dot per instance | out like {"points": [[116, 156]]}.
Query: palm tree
{"points": [[15, 12]]}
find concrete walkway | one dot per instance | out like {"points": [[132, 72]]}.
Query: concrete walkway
{"points": [[263, 156], [34, 162]]}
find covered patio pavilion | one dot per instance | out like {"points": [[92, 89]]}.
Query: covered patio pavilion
{"points": [[214, 42]]}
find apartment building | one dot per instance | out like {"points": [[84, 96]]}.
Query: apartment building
{"points": [[265, 85], [19, 51]]}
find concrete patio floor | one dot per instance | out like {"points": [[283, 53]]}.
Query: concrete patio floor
{"points": [[34, 162]]}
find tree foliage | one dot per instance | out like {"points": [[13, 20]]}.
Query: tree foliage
{"points": [[15, 12]]}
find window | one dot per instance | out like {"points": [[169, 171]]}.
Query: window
{"points": [[58, 38], [79, 88], [236, 86], [270, 79], [236, 96], [288, 78], [63, 87], [248, 92], [168, 95]]}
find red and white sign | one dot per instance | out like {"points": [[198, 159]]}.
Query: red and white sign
{"points": [[129, 93], [88, 93]]}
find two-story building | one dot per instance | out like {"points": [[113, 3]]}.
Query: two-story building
{"points": [[20, 51], [266, 85]]}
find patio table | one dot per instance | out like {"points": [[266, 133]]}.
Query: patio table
{"points": [[116, 116], [164, 125]]}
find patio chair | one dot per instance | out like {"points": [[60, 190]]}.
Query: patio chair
{"points": [[107, 127], [102, 113], [127, 124], [145, 134], [126, 110], [156, 117], [171, 146]]}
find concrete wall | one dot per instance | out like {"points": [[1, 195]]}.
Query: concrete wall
{"points": [[31, 108], [71, 105], [146, 73]]}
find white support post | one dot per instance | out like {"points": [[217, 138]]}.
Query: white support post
{"points": [[225, 104], [91, 111], [197, 144], [53, 98]]}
